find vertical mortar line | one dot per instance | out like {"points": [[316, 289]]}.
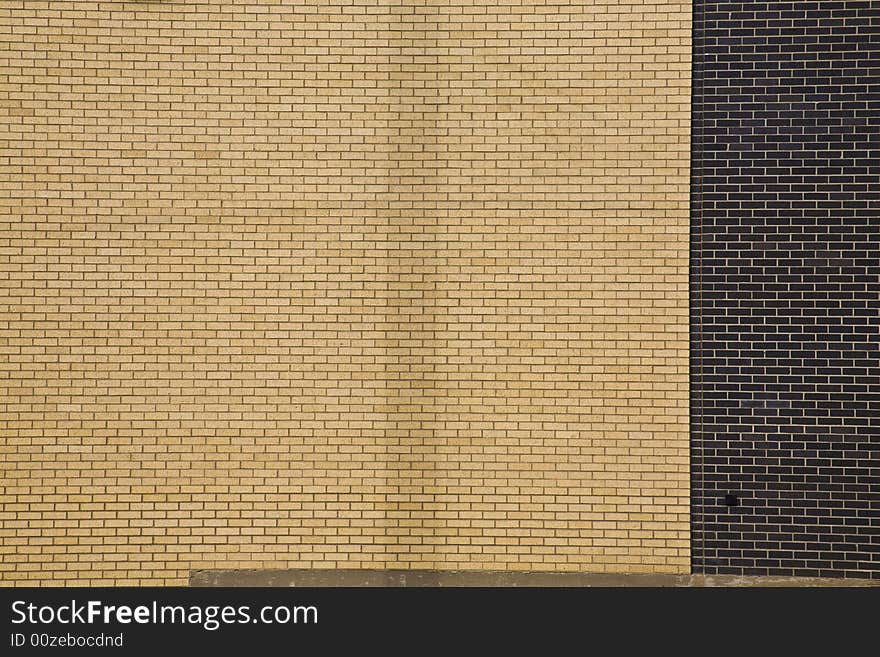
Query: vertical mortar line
{"points": [[698, 36], [693, 260], [703, 44], [701, 128], [702, 393]]}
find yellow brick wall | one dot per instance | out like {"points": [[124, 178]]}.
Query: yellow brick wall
{"points": [[343, 284]]}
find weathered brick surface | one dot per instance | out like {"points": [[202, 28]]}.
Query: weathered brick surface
{"points": [[329, 285]]}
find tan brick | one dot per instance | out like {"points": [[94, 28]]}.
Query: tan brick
{"points": [[343, 286]]}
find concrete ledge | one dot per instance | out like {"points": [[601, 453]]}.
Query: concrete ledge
{"points": [[485, 578]]}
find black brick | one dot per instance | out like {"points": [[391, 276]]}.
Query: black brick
{"points": [[785, 288]]}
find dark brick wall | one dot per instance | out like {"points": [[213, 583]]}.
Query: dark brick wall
{"points": [[785, 284]]}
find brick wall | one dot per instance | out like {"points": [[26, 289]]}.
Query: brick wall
{"points": [[330, 285], [786, 288]]}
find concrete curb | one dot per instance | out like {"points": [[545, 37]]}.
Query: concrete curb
{"points": [[482, 578]]}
